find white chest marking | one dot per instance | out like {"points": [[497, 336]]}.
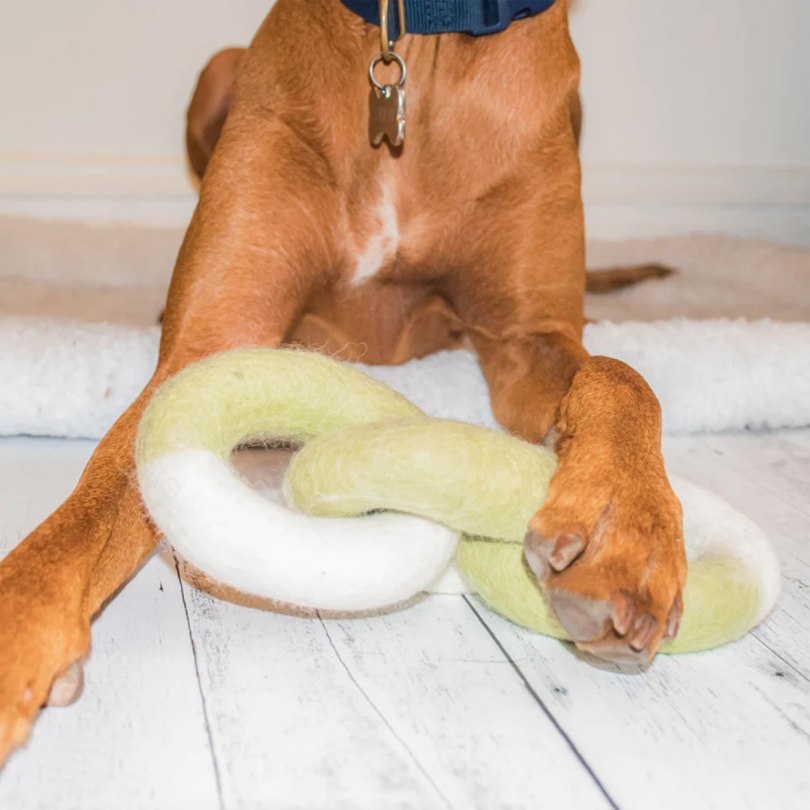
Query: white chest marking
{"points": [[382, 244]]}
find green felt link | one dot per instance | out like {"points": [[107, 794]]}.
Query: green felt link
{"points": [[489, 485], [721, 597], [254, 394], [475, 480]]}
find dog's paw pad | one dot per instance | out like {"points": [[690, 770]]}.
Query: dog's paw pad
{"points": [[615, 628], [587, 619]]}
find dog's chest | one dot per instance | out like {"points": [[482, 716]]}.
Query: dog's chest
{"points": [[375, 239], [481, 117]]}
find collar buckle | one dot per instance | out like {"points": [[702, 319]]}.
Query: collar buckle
{"points": [[509, 10]]}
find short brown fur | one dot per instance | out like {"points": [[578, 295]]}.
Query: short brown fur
{"points": [[490, 253]]}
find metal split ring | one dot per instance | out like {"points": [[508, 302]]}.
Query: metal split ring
{"points": [[394, 57]]}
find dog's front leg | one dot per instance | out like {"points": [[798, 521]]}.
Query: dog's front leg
{"points": [[607, 542], [262, 233]]}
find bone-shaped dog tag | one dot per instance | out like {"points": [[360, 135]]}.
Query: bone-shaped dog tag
{"points": [[386, 114]]}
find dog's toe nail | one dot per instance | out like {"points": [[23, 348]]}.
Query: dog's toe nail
{"points": [[621, 612], [566, 550], [538, 563], [643, 630], [674, 618], [68, 687], [535, 549]]}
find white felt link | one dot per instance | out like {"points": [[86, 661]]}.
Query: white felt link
{"points": [[252, 542], [235, 535], [713, 528]]}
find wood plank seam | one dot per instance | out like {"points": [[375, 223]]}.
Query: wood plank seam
{"points": [[778, 709], [755, 634], [220, 798], [552, 719], [384, 719]]}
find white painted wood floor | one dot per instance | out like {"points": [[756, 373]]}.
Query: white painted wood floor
{"points": [[195, 703]]}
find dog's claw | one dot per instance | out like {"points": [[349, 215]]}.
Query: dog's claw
{"points": [[566, 550], [67, 688], [622, 612], [535, 555], [674, 618], [643, 629], [544, 554]]}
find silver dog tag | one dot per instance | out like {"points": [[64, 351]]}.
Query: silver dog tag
{"points": [[386, 114]]}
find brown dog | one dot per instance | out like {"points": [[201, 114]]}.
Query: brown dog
{"points": [[471, 233]]}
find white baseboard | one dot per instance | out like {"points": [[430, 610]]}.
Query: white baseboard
{"points": [[753, 202], [621, 201], [149, 189]]}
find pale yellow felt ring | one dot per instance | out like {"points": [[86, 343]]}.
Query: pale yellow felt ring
{"points": [[721, 598], [473, 479], [248, 394], [489, 485]]}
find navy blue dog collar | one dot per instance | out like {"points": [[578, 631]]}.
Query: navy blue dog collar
{"points": [[475, 17]]}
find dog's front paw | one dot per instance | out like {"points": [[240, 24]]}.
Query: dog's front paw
{"points": [[612, 561], [40, 664]]}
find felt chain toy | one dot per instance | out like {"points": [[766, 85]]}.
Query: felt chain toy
{"points": [[380, 498]]}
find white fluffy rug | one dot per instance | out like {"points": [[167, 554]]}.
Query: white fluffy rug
{"points": [[74, 377], [66, 378]]}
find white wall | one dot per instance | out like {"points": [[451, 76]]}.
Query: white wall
{"points": [[697, 116], [93, 96], [697, 111]]}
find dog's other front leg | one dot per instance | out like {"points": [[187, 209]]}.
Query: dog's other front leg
{"points": [[262, 233]]}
